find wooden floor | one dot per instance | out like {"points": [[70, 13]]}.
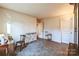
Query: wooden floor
{"points": [[44, 48]]}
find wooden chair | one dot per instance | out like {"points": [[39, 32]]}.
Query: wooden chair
{"points": [[21, 43], [49, 36], [72, 49]]}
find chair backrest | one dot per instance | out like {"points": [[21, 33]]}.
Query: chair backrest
{"points": [[72, 45], [22, 37], [72, 49]]}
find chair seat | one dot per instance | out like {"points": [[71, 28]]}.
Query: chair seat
{"points": [[18, 44]]}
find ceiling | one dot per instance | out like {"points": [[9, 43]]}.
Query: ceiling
{"points": [[40, 10]]}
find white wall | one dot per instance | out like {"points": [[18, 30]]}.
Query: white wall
{"points": [[20, 23], [52, 26], [61, 28]]}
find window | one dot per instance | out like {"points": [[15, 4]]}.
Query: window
{"points": [[8, 28]]}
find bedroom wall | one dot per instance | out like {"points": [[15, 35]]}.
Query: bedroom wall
{"points": [[20, 23], [61, 27]]}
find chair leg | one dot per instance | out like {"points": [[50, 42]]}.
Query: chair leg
{"points": [[20, 48]]}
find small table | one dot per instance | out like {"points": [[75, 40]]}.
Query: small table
{"points": [[3, 50]]}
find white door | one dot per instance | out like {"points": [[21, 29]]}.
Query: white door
{"points": [[40, 30], [67, 31]]}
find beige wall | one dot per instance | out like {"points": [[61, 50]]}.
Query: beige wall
{"points": [[20, 23]]}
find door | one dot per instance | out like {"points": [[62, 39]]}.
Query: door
{"points": [[40, 30], [67, 29]]}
